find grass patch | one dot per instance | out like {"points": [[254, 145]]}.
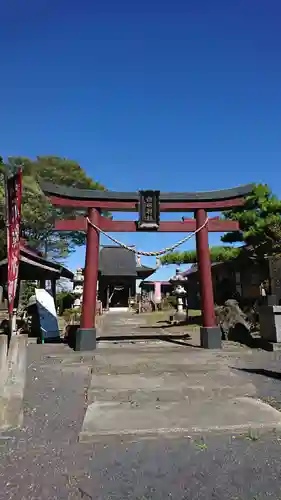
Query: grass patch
{"points": [[201, 445], [158, 317]]}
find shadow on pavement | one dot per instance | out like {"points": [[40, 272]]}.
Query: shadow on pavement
{"points": [[172, 339], [260, 371]]}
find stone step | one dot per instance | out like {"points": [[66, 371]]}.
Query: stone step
{"points": [[191, 393], [182, 418], [167, 387], [152, 368], [132, 352]]}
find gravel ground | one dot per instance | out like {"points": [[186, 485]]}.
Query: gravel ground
{"points": [[45, 461]]}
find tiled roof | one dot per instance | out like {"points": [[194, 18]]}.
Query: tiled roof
{"points": [[117, 261]]}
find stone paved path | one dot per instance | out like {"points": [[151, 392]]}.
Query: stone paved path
{"points": [[44, 460], [146, 388]]}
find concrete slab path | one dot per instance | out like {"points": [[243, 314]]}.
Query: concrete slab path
{"points": [[145, 387], [44, 459]]}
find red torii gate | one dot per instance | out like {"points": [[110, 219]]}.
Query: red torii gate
{"points": [[149, 204]]}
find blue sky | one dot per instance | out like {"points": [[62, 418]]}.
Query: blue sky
{"points": [[182, 95]]}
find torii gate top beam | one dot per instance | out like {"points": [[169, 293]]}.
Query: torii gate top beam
{"points": [[169, 202]]}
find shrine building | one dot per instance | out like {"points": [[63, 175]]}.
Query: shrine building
{"points": [[119, 275]]}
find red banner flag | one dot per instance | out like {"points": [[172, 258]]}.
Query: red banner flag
{"points": [[13, 205]]}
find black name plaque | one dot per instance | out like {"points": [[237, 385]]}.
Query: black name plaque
{"points": [[149, 210]]}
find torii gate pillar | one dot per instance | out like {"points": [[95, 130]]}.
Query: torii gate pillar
{"points": [[210, 333], [86, 335]]}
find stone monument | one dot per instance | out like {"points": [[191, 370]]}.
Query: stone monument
{"points": [[275, 277], [270, 323], [270, 313]]}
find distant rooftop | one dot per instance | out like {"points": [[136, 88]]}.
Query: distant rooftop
{"points": [[118, 261]]}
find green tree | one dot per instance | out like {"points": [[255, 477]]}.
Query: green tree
{"points": [[38, 215], [260, 223], [259, 235], [65, 300], [217, 254]]}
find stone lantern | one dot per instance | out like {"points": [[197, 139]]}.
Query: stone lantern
{"points": [[78, 281], [179, 283]]}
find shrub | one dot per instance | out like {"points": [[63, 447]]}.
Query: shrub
{"points": [[171, 301], [65, 301], [72, 315]]}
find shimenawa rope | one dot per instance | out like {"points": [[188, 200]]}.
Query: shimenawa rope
{"points": [[141, 252]]}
